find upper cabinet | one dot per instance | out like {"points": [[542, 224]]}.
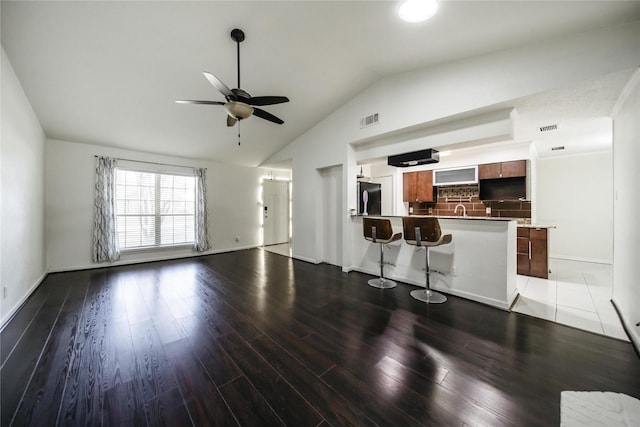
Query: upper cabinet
{"points": [[496, 181], [418, 187], [513, 169], [504, 181], [456, 176]]}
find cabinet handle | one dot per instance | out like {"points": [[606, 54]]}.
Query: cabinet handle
{"points": [[529, 249]]}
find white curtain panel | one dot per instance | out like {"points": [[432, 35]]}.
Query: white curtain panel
{"points": [[201, 243], [105, 237]]}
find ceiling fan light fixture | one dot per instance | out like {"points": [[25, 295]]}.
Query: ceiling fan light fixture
{"points": [[238, 110], [417, 10]]}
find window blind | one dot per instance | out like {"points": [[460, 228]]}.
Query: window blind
{"points": [[154, 209]]}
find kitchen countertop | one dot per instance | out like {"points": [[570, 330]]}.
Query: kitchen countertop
{"points": [[482, 218]]}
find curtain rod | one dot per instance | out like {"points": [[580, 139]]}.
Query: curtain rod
{"points": [[149, 163]]}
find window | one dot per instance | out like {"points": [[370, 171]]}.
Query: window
{"points": [[154, 209]]}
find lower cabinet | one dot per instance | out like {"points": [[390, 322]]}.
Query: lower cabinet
{"points": [[532, 252]]}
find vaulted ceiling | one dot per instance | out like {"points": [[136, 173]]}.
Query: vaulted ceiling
{"points": [[108, 72]]}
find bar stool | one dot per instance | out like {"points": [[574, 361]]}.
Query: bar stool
{"points": [[425, 231], [379, 230]]}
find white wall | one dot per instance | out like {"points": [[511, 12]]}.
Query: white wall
{"points": [[626, 207], [575, 193], [433, 94], [233, 202], [22, 259]]}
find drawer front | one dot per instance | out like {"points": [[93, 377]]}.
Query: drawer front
{"points": [[523, 232]]}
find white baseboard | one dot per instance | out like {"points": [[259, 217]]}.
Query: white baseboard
{"points": [[9, 315], [582, 259], [305, 259], [149, 259]]}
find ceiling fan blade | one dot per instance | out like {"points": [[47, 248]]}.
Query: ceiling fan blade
{"points": [[267, 100], [222, 88], [267, 116], [231, 121], [191, 101]]}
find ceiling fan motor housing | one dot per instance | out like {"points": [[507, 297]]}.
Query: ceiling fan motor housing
{"points": [[237, 35]]}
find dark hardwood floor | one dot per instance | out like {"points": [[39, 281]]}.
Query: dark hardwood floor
{"points": [[255, 338]]}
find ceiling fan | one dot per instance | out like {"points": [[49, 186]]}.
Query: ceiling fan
{"points": [[239, 104]]}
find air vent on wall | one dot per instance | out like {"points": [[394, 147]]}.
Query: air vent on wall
{"points": [[369, 120], [548, 128]]}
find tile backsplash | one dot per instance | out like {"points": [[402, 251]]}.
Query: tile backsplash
{"points": [[468, 196]]}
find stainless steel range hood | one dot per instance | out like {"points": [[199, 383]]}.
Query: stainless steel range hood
{"points": [[414, 158]]}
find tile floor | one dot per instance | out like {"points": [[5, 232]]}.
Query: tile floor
{"points": [[577, 294]]}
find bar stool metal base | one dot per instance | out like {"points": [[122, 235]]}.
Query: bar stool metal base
{"points": [[428, 296], [382, 283]]}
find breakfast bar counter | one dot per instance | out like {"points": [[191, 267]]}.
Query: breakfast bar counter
{"points": [[479, 264]]}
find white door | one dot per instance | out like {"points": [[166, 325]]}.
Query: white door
{"points": [[331, 234], [275, 212]]}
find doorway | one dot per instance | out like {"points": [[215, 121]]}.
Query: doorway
{"points": [[331, 218], [275, 213]]}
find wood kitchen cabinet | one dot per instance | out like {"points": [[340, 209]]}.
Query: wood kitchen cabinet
{"points": [[513, 169], [418, 187], [532, 252]]}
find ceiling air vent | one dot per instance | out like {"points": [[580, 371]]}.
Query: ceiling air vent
{"points": [[369, 120], [548, 128], [558, 148]]}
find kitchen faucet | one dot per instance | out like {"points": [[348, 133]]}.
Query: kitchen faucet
{"points": [[464, 210]]}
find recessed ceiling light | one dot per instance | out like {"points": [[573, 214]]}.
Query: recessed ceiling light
{"points": [[417, 10]]}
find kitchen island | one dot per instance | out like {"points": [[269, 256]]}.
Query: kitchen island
{"points": [[479, 264]]}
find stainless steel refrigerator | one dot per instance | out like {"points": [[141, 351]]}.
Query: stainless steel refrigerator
{"points": [[369, 198]]}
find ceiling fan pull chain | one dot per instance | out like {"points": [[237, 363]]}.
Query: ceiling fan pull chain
{"points": [[238, 133]]}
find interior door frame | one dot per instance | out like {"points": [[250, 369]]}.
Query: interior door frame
{"points": [[287, 213]]}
